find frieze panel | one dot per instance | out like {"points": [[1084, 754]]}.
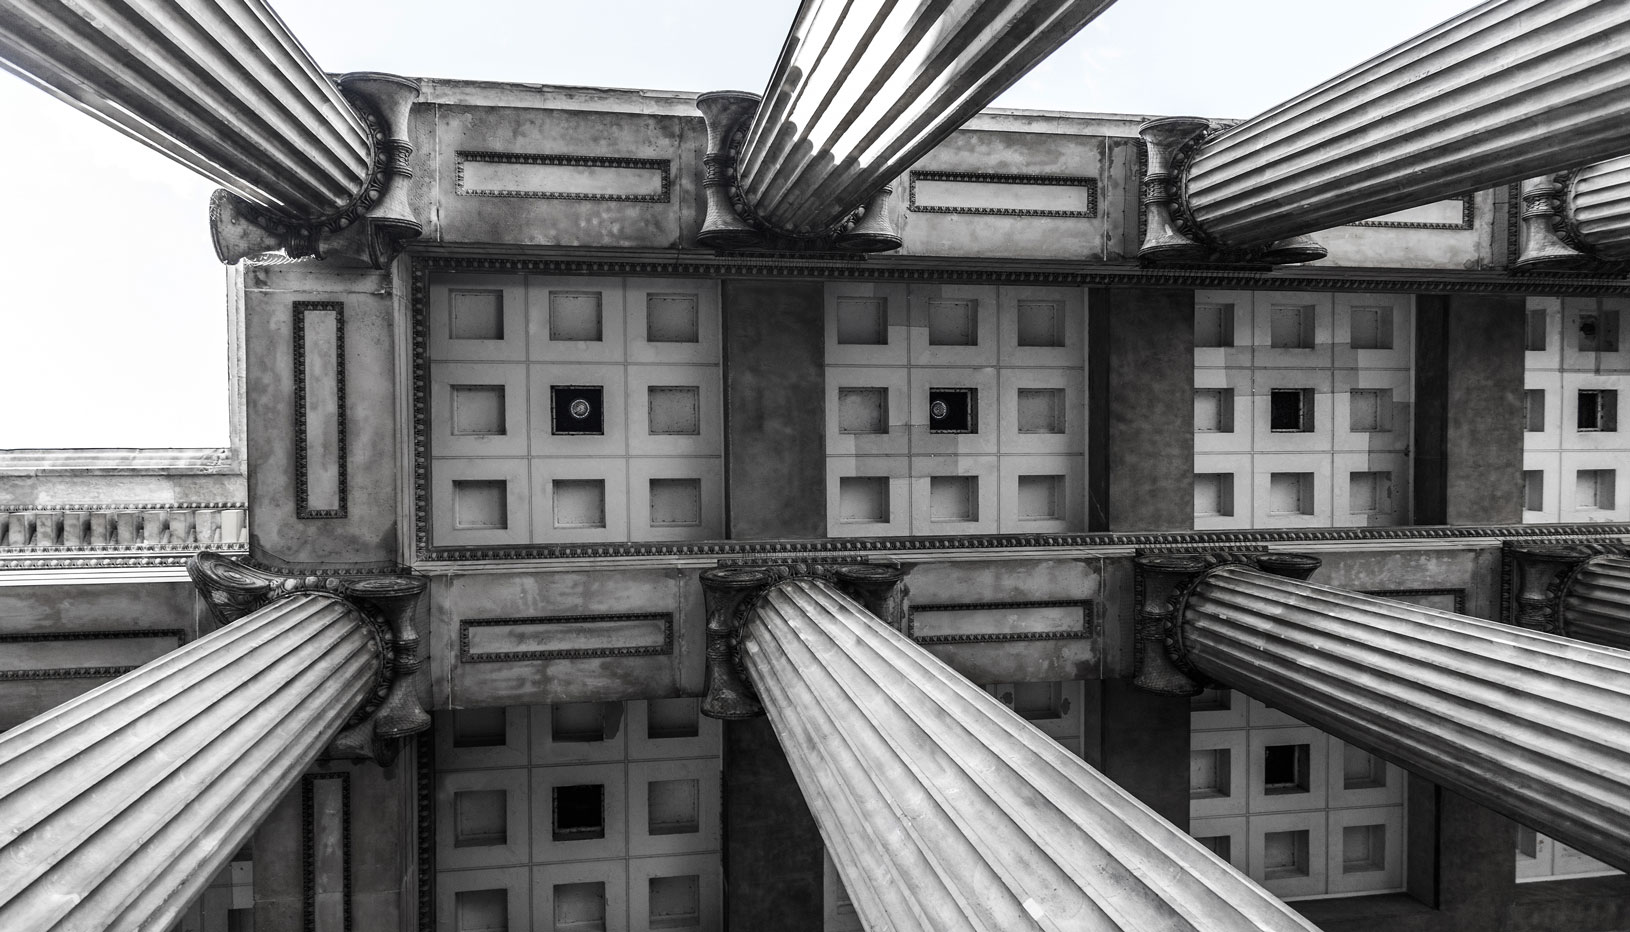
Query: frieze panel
{"points": [[319, 409], [1433, 216], [1009, 195], [563, 177], [995, 622], [562, 637]]}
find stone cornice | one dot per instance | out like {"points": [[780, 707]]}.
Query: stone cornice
{"points": [[703, 263]]}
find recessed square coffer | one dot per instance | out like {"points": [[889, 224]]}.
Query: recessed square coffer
{"points": [[953, 410], [579, 410]]}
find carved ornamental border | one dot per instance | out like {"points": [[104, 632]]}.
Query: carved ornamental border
{"points": [[83, 673], [1468, 218], [951, 270], [662, 166], [308, 854], [1402, 595], [302, 455], [1076, 181], [1086, 631], [465, 655]]}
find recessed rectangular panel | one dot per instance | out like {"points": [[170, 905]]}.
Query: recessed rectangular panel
{"points": [[481, 911], [863, 410], [671, 318], [566, 177], [579, 812], [672, 718], [953, 498], [1214, 494], [953, 322], [1000, 621], [479, 819], [497, 640], [1041, 323], [1020, 195], [953, 410], [1209, 771], [319, 389], [1290, 493], [1285, 855], [1369, 492], [674, 410], [1594, 489], [82, 654], [673, 807], [676, 502], [580, 907], [1371, 327], [675, 902], [1041, 410], [1533, 489], [480, 504], [1533, 400], [475, 315], [862, 321], [1214, 410], [579, 502], [863, 500], [479, 728], [1213, 325], [575, 316], [326, 814], [1363, 849], [1369, 409], [478, 410], [1041, 498], [577, 410], [1291, 326]]}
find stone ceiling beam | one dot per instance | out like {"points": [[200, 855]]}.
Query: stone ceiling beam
{"points": [[862, 90], [942, 808], [119, 807], [224, 89], [1531, 725], [1508, 90]]}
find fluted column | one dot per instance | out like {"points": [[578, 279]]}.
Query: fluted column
{"points": [[225, 90], [944, 810], [1596, 602], [1531, 725], [862, 90], [117, 808], [1508, 90], [1597, 208]]}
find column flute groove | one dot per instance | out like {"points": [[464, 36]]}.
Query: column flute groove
{"points": [[1506, 91], [120, 806], [942, 808], [1530, 724], [863, 90], [1596, 606]]}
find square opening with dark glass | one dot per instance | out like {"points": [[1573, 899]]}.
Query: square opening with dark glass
{"points": [[580, 812], [1290, 409], [1284, 769], [579, 410], [953, 410]]}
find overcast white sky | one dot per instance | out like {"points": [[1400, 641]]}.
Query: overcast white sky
{"points": [[113, 312]]}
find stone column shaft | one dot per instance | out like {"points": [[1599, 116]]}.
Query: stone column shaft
{"points": [[944, 810], [117, 808], [1596, 605], [1597, 208], [1506, 91], [1534, 726], [862, 90], [222, 88]]}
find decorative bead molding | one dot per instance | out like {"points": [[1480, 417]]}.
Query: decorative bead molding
{"points": [[1468, 219], [1086, 630], [664, 166], [232, 590], [732, 592], [302, 452], [466, 655], [1081, 181]]}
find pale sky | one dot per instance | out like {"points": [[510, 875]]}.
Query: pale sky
{"points": [[114, 322]]}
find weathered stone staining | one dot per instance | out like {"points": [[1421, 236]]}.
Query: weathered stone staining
{"points": [[119, 807], [226, 91], [1531, 725], [1506, 91], [943, 809], [862, 91]]}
